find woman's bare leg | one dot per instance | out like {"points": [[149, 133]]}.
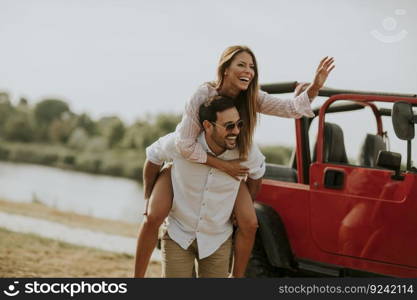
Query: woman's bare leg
{"points": [[159, 206], [247, 225]]}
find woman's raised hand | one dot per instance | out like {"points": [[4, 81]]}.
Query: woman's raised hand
{"points": [[323, 70]]}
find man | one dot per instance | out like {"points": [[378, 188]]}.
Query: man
{"points": [[199, 226]]}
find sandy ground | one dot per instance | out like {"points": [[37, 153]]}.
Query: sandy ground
{"points": [[27, 255]]}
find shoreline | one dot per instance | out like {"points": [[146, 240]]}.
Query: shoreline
{"points": [[106, 243], [44, 212]]}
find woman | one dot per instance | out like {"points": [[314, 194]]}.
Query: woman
{"points": [[237, 77]]}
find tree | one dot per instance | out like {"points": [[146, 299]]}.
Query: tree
{"points": [[144, 132], [78, 139], [45, 112], [116, 134], [112, 128], [166, 123], [6, 110], [23, 102], [84, 121], [18, 128], [60, 130], [50, 109]]}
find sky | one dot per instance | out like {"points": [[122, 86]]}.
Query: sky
{"points": [[131, 58]]}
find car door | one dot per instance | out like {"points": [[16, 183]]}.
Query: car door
{"points": [[364, 213]]}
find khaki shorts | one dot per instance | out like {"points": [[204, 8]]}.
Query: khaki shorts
{"points": [[180, 263]]}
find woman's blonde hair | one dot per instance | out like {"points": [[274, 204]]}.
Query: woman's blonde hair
{"points": [[246, 101]]}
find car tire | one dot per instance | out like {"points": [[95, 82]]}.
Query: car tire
{"points": [[259, 266]]}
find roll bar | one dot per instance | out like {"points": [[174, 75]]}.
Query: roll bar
{"points": [[289, 87]]}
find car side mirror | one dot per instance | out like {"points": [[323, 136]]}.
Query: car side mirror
{"points": [[392, 161], [403, 120]]}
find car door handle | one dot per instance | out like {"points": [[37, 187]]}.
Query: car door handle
{"points": [[334, 179]]}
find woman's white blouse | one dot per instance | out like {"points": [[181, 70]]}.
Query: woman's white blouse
{"points": [[189, 128]]}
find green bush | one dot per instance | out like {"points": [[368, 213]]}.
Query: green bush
{"points": [[135, 172], [49, 159], [88, 162], [279, 155], [133, 164], [78, 139], [123, 163], [4, 153], [18, 128], [69, 159], [33, 153], [112, 129], [96, 144], [24, 155]]}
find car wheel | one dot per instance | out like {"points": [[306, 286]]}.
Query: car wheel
{"points": [[259, 266]]}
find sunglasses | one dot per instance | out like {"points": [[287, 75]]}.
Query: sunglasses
{"points": [[230, 126]]}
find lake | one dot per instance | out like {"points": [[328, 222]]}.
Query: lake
{"points": [[93, 195]]}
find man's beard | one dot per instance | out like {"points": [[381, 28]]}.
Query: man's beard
{"points": [[222, 142]]}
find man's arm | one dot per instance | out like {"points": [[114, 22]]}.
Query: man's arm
{"points": [[254, 185], [150, 174]]}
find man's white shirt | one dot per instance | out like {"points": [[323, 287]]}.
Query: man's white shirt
{"points": [[204, 197]]}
